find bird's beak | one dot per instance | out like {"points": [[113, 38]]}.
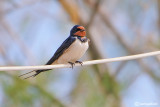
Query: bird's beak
{"points": [[82, 30]]}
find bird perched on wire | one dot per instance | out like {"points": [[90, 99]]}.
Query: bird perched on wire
{"points": [[70, 51]]}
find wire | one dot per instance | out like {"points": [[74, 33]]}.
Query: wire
{"points": [[124, 58]]}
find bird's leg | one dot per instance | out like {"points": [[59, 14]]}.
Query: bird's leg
{"points": [[79, 62], [72, 64]]}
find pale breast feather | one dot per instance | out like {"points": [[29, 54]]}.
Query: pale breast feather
{"points": [[75, 51]]}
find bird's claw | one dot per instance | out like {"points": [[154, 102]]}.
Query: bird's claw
{"points": [[72, 64], [79, 62]]}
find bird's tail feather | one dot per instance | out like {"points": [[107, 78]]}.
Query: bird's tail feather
{"points": [[32, 73]]}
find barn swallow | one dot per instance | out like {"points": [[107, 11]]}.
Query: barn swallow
{"points": [[70, 51]]}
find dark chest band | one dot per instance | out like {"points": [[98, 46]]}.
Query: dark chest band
{"points": [[82, 39]]}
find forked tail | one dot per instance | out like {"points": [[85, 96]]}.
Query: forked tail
{"points": [[32, 73]]}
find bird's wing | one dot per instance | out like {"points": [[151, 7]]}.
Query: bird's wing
{"points": [[61, 49], [57, 54]]}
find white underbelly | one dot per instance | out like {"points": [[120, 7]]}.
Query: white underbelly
{"points": [[73, 53]]}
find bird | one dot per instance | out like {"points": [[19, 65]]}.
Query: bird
{"points": [[70, 51]]}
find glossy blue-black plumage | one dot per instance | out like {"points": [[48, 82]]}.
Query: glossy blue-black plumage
{"points": [[74, 30], [65, 45]]}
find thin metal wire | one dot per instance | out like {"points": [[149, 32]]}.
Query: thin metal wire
{"points": [[85, 63]]}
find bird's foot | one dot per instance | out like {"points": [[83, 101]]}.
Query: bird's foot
{"points": [[72, 64], [79, 62]]}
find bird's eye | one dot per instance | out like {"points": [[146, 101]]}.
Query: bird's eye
{"points": [[78, 29]]}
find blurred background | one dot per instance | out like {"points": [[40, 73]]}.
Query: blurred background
{"points": [[32, 30]]}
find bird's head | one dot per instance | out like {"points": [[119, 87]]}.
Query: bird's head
{"points": [[78, 30]]}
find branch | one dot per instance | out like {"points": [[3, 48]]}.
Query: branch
{"points": [[132, 57]]}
